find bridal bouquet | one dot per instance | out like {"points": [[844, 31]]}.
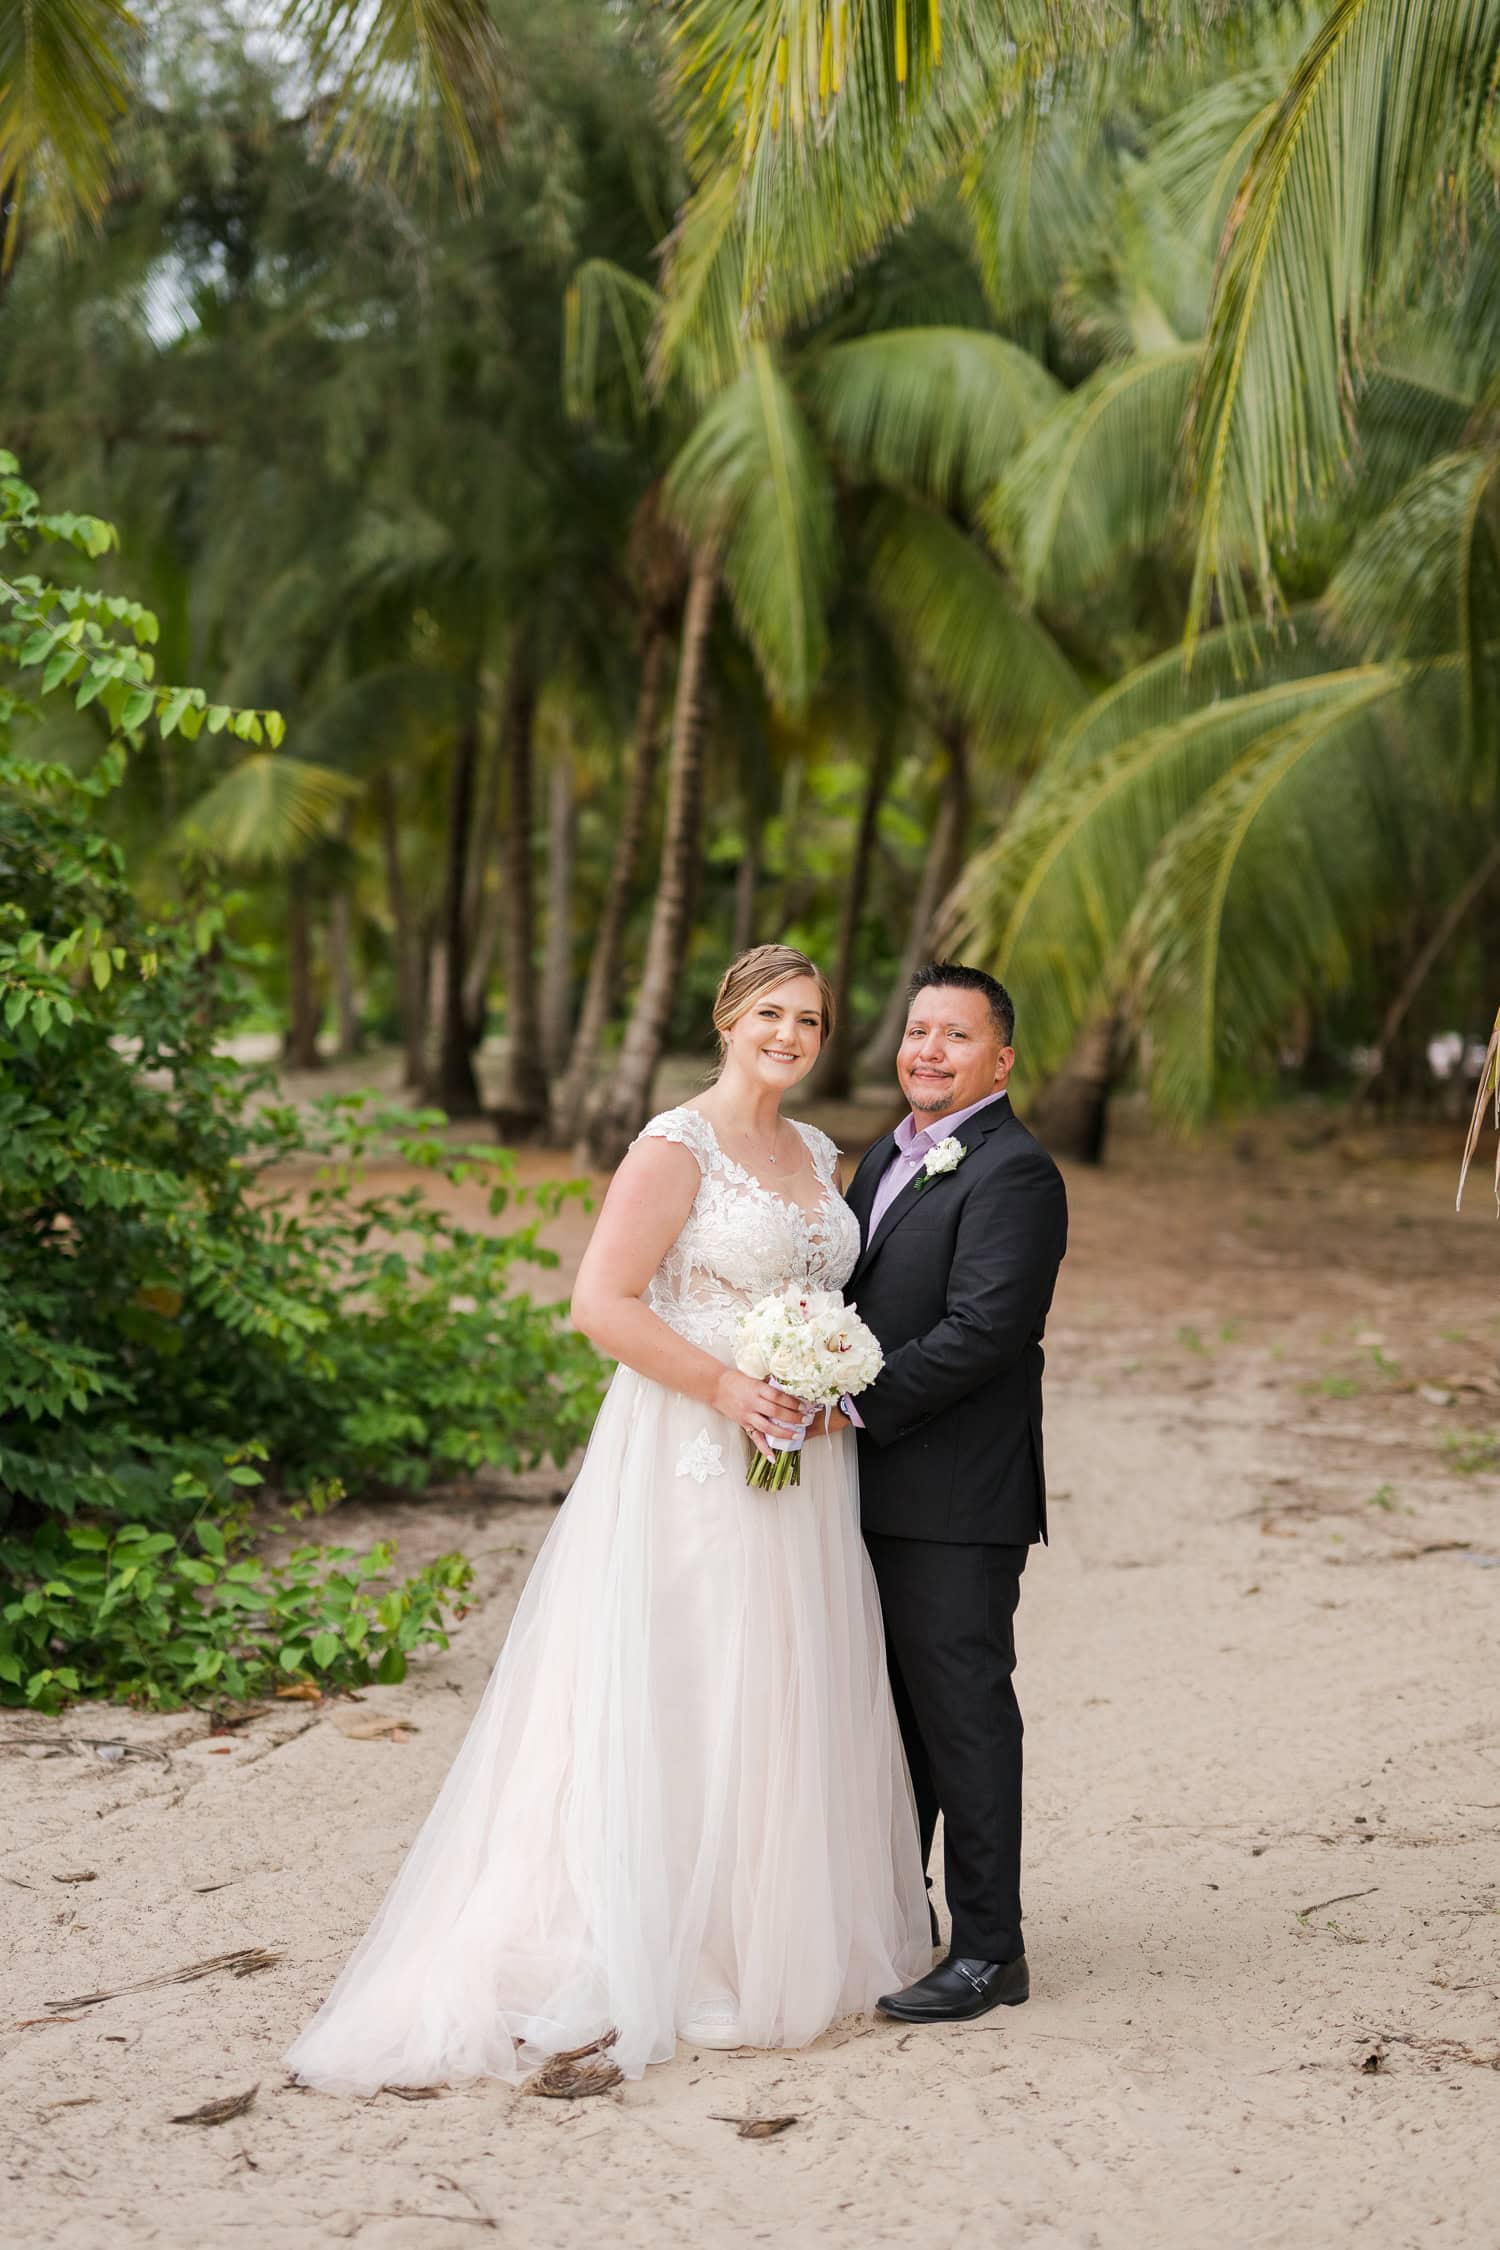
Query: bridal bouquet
{"points": [[810, 1343]]}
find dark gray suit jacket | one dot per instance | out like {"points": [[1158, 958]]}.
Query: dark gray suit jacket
{"points": [[957, 1284]]}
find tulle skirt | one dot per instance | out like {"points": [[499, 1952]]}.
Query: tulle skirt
{"points": [[683, 1789]]}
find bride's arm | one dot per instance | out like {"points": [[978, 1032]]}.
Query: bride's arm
{"points": [[645, 1210]]}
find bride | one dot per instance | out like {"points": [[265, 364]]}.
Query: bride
{"points": [[681, 1809]]}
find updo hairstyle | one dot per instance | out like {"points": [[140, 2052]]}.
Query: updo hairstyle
{"points": [[757, 972]]}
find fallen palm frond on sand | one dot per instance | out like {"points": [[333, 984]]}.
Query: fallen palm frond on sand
{"points": [[243, 1963], [578, 2071]]}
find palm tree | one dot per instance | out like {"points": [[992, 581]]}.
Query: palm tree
{"points": [[1366, 162], [66, 74], [657, 570]]}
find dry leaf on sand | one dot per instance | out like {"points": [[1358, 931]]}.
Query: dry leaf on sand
{"points": [[756, 2128], [373, 1726], [569, 2076], [218, 2112]]}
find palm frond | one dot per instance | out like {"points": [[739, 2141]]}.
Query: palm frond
{"points": [[752, 482], [940, 410], [265, 812], [1035, 195], [407, 73], [1172, 686], [1418, 402], [1198, 157], [608, 319], [1399, 592], [706, 317], [952, 614], [1266, 892], [1097, 481], [817, 129], [1049, 903], [381, 715], [65, 74], [1424, 580], [1386, 96]]}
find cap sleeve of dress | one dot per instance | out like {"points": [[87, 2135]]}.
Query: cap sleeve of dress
{"points": [[687, 1128], [825, 1153]]}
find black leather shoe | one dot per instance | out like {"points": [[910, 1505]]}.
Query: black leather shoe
{"points": [[957, 1990]]}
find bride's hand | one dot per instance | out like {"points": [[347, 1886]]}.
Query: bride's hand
{"points": [[760, 1408]]}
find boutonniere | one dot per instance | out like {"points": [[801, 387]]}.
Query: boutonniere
{"points": [[946, 1157]]}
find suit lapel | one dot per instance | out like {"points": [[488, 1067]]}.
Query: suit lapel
{"points": [[971, 1133], [866, 1180]]}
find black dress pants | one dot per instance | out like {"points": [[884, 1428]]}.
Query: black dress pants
{"points": [[950, 1643]]}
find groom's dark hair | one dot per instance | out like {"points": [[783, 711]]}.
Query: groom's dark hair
{"points": [[956, 973]]}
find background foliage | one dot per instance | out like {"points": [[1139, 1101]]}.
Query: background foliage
{"points": [[1020, 479], [173, 1333]]}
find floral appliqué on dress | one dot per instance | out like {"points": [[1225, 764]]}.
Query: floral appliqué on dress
{"points": [[700, 1458]]}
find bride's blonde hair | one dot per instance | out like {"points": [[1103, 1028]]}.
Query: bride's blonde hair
{"points": [[760, 971]]}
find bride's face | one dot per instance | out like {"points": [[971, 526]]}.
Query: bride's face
{"points": [[776, 1041]]}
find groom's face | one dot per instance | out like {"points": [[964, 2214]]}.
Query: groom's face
{"points": [[951, 1055]]}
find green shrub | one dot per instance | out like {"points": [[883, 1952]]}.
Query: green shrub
{"points": [[147, 1617], [168, 1315]]}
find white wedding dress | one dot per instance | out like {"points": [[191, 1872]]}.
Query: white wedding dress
{"points": [[683, 1794]]}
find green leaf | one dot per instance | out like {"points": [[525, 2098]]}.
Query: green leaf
{"points": [[751, 482], [172, 711], [392, 1668], [324, 1648]]}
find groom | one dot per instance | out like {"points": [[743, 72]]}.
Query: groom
{"points": [[963, 1221]]}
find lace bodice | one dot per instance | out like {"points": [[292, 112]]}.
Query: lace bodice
{"points": [[741, 1239]]}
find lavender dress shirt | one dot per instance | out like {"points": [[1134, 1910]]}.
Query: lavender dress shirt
{"points": [[914, 1144]]}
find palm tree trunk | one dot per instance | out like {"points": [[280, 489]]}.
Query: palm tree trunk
{"points": [[625, 1103], [746, 885], [1072, 1115], [523, 1105], [408, 965], [833, 1076], [341, 970], [484, 911], [940, 871], [1417, 975], [602, 988], [484, 944], [557, 965], [300, 1048], [454, 1086]]}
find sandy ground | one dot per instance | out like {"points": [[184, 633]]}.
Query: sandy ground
{"points": [[1259, 1670]]}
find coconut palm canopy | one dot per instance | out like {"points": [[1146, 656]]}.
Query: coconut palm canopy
{"points": [[1017, 475]]}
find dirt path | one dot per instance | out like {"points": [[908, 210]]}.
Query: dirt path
{"points": [[1259, 1669]]}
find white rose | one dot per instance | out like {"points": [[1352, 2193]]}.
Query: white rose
{"points": [[751, 1359], [946, 1157]]}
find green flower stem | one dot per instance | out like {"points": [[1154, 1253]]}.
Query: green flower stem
{"points": [[776, 1474]]}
